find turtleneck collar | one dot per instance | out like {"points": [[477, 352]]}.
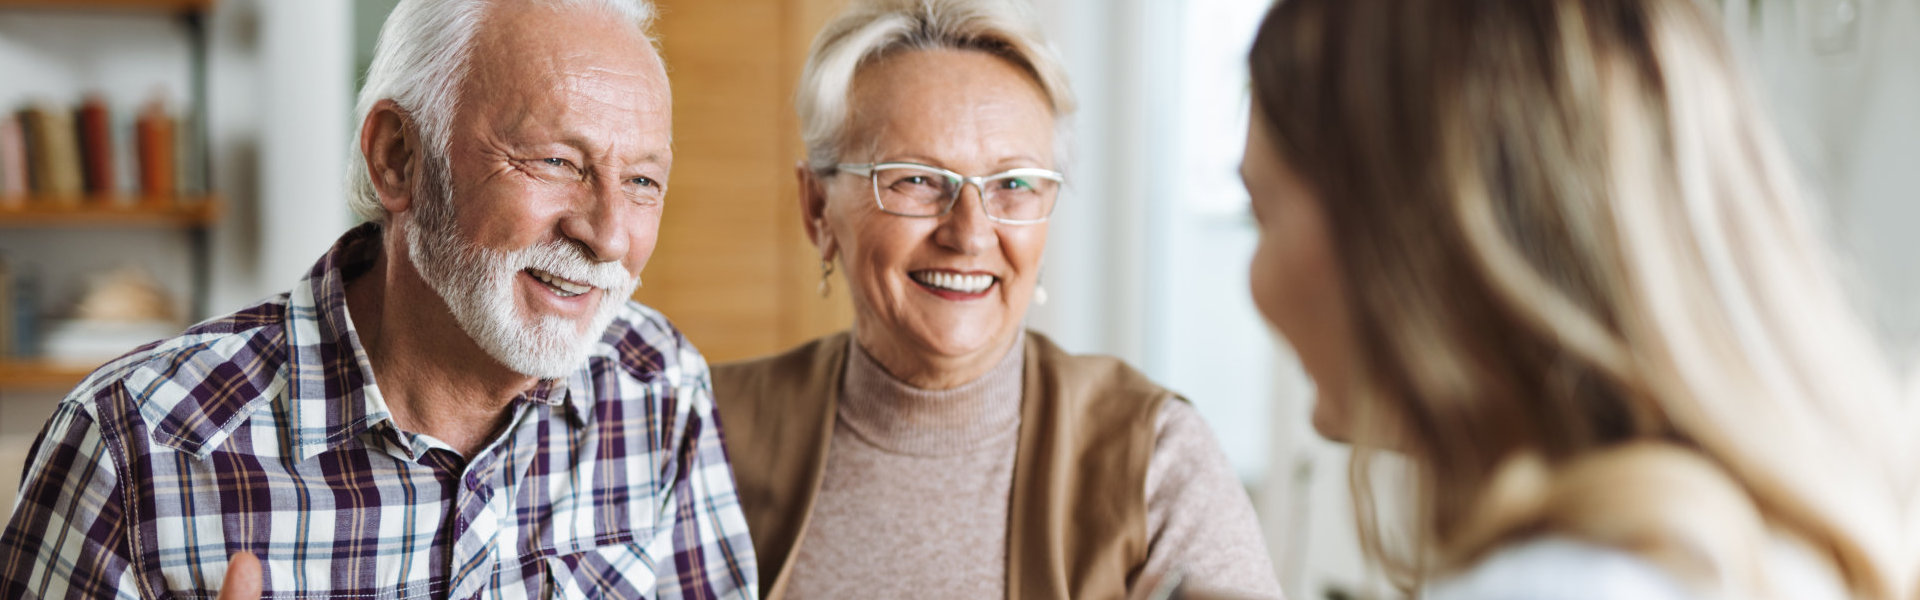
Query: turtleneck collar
{"points": [[903, 419]]}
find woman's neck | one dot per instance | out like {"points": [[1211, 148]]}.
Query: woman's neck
{"points": [[928, 370], [902, 418]]}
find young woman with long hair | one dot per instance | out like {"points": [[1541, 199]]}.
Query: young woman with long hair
{"points": [[1553, 254]]}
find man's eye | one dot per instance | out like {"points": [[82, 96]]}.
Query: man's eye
{"points": [[555, 162], [645, 190]]}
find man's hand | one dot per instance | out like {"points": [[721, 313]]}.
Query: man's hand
{"points": [[243, 578]]}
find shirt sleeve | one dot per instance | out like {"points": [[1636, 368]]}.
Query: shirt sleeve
{"points": [[1199, 519], [712, 556], [68, 537]]}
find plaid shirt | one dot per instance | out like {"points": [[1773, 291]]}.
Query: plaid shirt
{"points": [[263, 431]]}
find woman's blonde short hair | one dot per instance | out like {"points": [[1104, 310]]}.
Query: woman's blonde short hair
{"points": [[870, 30], [1588, 297]]}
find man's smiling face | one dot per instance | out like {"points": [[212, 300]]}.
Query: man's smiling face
{"points": [[547, 207]]}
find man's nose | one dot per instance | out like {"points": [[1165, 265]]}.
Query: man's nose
{"points": [[598, 221]]}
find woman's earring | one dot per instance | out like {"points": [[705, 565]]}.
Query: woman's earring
{"points": [[826, 269], [1039, 293]]}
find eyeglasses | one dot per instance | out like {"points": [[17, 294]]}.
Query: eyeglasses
{"points": [[1015, 197]]}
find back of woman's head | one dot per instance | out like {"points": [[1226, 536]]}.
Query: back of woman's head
{"points": [[1577, 261]]}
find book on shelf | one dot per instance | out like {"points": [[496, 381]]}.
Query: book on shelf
{"points": [[90, 153], [23, 298], [6, 309], [53, 152], [13, 163], [157, 149], [96, 145]]}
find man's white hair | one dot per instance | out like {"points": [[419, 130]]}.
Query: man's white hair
{"points": [[421, 61], [870, 30]]}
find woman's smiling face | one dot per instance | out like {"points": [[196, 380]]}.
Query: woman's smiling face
{"points": [[933, 295]]}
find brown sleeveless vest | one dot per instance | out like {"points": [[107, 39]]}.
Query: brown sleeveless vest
{"points": [[1077, 522]]}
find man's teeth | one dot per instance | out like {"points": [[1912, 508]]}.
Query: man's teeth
{"points": [[566, 289], [965, 284]]}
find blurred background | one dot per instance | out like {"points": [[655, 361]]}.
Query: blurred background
{"points": [[209, 139]]}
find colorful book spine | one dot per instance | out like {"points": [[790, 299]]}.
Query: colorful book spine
{"points": [[14, 184], [154, 134], [54, 154], [6, 310], [96, 146]]}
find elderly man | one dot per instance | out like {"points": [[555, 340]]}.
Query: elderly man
{"points": [[458, 400]]}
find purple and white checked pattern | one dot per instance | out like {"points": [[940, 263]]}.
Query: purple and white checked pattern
{"points": [[262, 431]]}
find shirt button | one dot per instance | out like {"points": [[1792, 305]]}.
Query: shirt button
{"points": [[473, 482]]}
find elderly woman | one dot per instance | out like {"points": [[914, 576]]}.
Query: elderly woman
{"points": [[938, 449]]}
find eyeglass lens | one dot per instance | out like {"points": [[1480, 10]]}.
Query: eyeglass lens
{"points": [[921, 192]]}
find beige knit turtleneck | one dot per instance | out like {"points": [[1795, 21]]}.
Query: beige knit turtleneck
{"points": [[913, 502]]}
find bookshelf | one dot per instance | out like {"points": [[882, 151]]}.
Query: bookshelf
{"points": [[97, 214], [41, 376], [112, 210]]}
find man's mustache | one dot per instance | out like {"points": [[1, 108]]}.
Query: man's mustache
{"points": [[567, 260]]}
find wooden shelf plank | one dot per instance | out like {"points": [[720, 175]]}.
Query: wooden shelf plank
{"points": [[185, 211], [200, 6], [41, 375]]}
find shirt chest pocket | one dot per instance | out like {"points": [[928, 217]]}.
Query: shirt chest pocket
{"points": [[590, 532], [616, 571]]}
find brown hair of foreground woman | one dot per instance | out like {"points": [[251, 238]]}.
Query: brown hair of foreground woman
{"points": [[1552, 253]]}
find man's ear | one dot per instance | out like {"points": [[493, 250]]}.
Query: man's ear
{"points": [[389, 144], [813, 211]]}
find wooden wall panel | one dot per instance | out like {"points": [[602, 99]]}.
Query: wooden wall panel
{"points": [[733, 268]]}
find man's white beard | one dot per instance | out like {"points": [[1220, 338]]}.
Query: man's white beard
{"points": [[478, 285]]}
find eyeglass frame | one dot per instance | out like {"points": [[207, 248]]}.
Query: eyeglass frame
{"points": [[871, 172]]}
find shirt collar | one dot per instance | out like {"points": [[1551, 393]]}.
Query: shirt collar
{"points": [[332, 389]]}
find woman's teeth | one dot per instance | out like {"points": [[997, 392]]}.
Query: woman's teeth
{"points": [[562, 287], [965, 284]]}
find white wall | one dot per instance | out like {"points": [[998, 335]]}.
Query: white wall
{"points": [[1846, 94], [1095, 268], [308, 92]]}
